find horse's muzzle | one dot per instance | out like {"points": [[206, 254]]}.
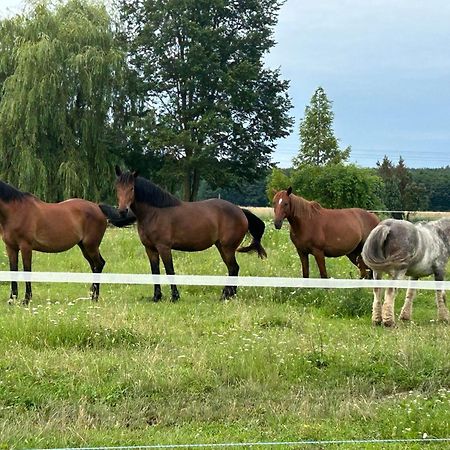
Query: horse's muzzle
{"points": [[278, 223], [123, 212]]}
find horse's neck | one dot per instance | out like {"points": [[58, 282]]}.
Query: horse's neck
{"points": [[300, 210], [144, 211], [5, 211]]}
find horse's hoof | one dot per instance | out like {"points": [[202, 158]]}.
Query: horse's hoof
{"points": [[25, 302], [389, 323], [156, 299], [376, 323]]}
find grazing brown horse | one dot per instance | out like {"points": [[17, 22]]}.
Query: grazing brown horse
{"points": [[27, 224], [165, 223], [324, 232]]}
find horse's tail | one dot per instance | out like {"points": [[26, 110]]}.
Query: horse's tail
{"points": [[113, 216], [373, 252], [256, 228]]}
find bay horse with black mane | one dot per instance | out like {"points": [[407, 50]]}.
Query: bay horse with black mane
{"points": [[166, 223], [324, 232], [27, 223]]}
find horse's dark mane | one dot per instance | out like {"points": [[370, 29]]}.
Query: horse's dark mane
{"points": [[147, 192], [9, 193]]}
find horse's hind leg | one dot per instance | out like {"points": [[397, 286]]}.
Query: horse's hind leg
{"points": [[443, 314], [389, 302], [13, 256], [229, 258], [96, 262], [320, 260], [406, 311], [356, 259]]}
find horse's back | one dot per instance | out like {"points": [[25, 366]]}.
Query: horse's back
{"points": [[355, 223]]}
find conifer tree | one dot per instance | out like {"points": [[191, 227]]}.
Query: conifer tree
{"points": [[318, 144]]}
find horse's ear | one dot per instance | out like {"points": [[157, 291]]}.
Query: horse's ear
{"points": [[273, 192], [135, 173], [289, 190], [118, 171]]}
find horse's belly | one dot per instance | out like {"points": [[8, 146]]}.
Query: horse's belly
{"points": [[419, 270], [333, 252], [52, 248], [49, 242], [190, 248]]}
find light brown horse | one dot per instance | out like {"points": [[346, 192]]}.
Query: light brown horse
{"points": [[164, 223], [27, 224], [324, 232]]}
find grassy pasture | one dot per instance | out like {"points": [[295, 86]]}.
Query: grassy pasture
{"points": [[269, 365]]}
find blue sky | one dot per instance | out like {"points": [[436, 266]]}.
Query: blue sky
{"points": [[385, 64]]}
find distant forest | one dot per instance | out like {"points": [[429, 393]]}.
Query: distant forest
{"points": [[435, 184]]}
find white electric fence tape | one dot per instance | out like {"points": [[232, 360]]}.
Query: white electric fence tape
{"points": [[213, 280]]}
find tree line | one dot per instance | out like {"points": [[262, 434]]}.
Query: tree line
{"points": [[176, 88], [179, 90]]}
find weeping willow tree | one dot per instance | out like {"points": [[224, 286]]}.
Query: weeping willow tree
{"points": [[59, 67]]}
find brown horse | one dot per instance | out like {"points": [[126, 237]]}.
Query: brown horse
{"points": [[27, 224], [324, 232], [164, 223]]}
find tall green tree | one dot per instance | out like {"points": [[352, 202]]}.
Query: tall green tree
{"points": [[211, 108], [59, 68], [318, 144]]}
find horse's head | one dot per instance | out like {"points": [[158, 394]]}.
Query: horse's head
{"points": [[281, 206], [125, 190]]}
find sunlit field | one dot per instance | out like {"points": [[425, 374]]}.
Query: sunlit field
{"points": [[269, 365]]}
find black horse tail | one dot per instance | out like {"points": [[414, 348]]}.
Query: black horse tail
{"points": [[113, 216], [256, 228]]}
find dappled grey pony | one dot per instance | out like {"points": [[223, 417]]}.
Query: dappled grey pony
{"points": [[400, 248]]}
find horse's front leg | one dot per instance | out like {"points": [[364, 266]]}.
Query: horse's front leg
{"points": [[406, 311], [443, 314], [13, 256], [26, 260], [166, 256], [153, 257], [304, 260], [389, 302], [320, 260], [229, 258]]}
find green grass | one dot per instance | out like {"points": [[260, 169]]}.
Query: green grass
{"points": [[269, 365]]}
